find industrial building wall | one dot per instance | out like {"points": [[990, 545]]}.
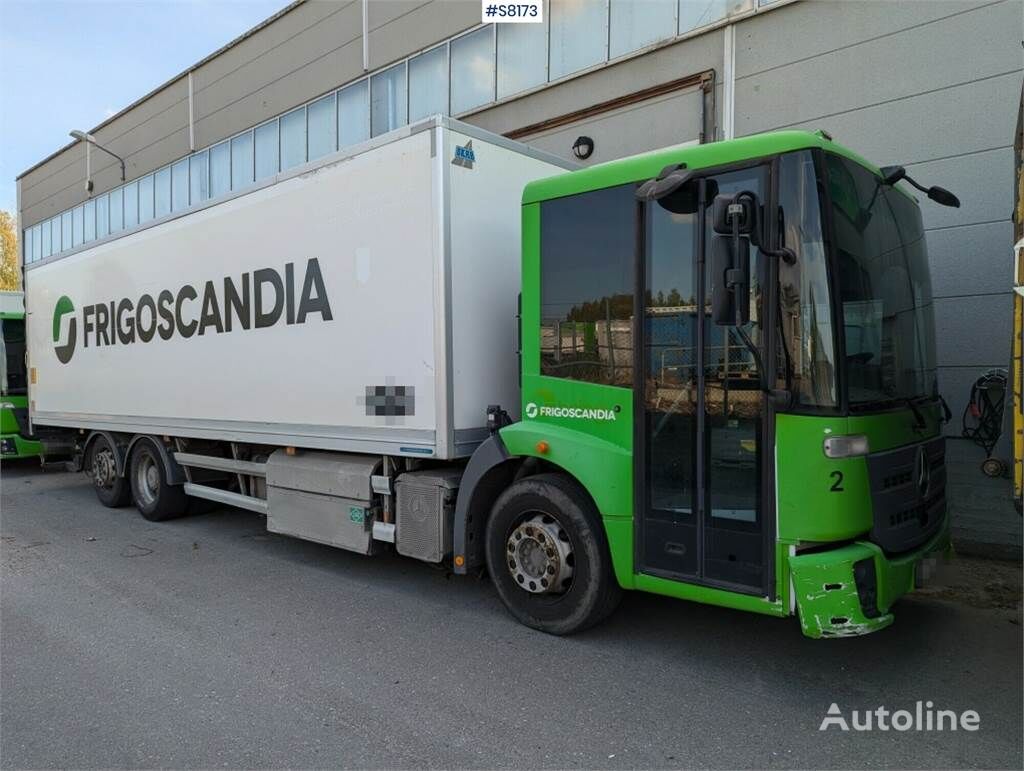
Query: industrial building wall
{"points": [[934, 87], [308, 50], [152, 134], [668, 119], [311, 50], [303, 54]]}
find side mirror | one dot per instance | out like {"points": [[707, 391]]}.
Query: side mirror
{"points": [[942, 196], [669, 179], [675, 189], [893, 174], [730, 281], [734, 222], [727, 208]]}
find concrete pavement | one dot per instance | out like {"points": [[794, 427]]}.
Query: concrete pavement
{"points": [[207, 642]]}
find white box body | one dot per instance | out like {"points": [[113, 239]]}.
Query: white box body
{"points": [[412, 257]]}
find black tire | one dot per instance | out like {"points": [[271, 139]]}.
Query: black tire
{"points": [[154, 498], [101, 466], [592, 592]]}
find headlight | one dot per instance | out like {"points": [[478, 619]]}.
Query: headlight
{"points": [[846, 446]]}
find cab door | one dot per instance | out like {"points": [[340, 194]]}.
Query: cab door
{"points": [[700, 428]]}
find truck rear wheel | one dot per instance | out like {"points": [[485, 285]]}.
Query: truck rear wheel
{"points": [[548, 556], [155, 499], [101, 465]]}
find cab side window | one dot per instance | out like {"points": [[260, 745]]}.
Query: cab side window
{"points": [[587, 244]]}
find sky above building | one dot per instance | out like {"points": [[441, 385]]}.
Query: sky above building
{"points": [[71, 64]]}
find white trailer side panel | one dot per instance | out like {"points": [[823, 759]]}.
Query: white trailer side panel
{"points": [[397, 269], [369, 222], [485, 247]]}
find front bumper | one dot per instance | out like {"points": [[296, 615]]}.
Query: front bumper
{"points": [[850, 590], [13, 446]]}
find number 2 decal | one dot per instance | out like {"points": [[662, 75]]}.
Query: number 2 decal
{"points": [[837, 485]]}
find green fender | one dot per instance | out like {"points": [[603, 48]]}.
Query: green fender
{"points": [[603, 468]]}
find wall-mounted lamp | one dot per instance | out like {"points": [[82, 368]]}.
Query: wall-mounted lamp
{"points": [[583, 148], [90, 139]]}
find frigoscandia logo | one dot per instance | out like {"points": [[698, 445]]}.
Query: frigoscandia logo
{"points": [[574, 413], [64, 336], [253, 300]]}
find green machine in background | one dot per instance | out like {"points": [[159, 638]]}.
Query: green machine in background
{"points": [[14, 431]]}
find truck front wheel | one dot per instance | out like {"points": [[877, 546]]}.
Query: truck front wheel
{"points": [[101, 465], [548, 556], [155, 499]]}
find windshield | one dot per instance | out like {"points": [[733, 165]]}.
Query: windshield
{"points": [[808, 359], [12, 365], [884, 288]]}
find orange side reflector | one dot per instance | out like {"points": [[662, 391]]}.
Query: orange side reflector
{"points": [[543, 447], [459, 560], [32, 374]]}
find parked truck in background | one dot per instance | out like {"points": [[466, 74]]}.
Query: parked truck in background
{"points": [[15, 440], [722, 386]]}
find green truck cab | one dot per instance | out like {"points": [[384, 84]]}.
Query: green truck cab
{"points": [[14, 432], [728, 359]]}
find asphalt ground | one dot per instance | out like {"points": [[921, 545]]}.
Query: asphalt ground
{"points": [[207, 642]]}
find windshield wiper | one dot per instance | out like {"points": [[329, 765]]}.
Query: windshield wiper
{"points": [[871, 404], [911, 402], [947, 413]]}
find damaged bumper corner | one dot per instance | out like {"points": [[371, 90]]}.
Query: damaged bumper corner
{"points": [[850, 590]]}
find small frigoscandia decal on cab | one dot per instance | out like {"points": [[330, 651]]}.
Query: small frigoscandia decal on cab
{"points": [[573, 413]]}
